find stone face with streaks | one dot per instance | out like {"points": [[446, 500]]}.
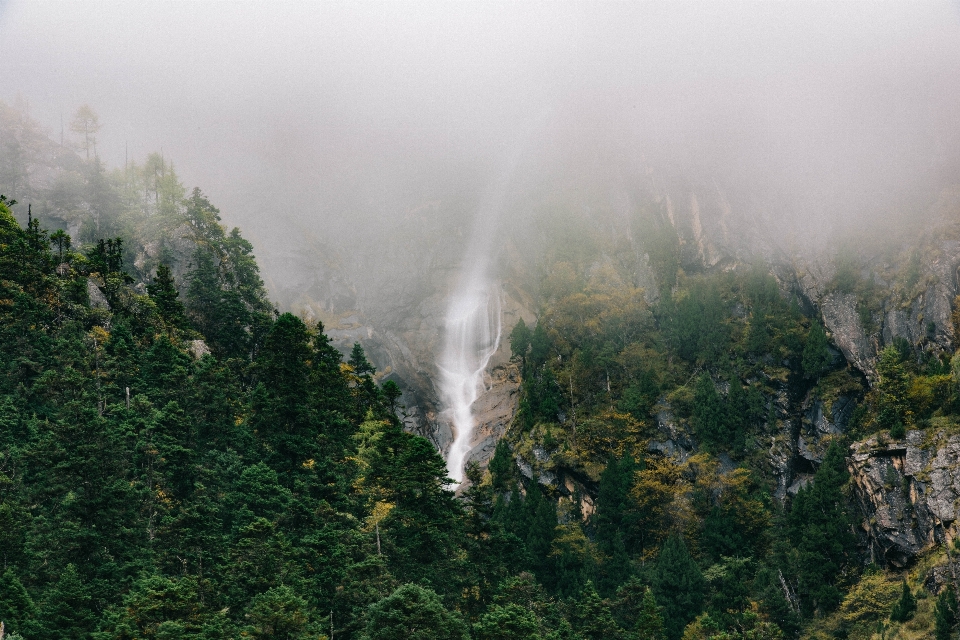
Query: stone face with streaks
{"points": [[906, 492]]}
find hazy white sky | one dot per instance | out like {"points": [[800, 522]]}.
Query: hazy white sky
{"points": [[347, 111]]}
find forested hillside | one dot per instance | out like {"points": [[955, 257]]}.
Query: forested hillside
{"points": [[707, 452]]}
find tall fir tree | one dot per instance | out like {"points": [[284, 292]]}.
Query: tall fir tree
{"points": [[678, 586]]}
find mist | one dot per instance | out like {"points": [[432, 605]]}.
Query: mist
{"points": [[331, 122]]}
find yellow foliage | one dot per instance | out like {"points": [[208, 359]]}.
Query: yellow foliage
{"points": [[570, 537], [928, 392], [367, 437], [99, 334], [656, 493], [610, 432], [871, 599], [377, 515]]}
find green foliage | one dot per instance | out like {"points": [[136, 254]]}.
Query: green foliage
{"points": [[678, 585], [279, 613], [721, 425], [640, 397], [358, 360], [592, 616], [269, 490], [68, 609], [696, 324], [520, 337], [500, 466], [17, 609], [413, 613], [818, 528], [709, 418], [209, 502], [905, 607], [892, 410], [945, 614], [649, 621], [816, 356], [510, 622], [163, 292]]}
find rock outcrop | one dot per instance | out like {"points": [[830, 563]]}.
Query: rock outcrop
{"points": [[907, 492]]}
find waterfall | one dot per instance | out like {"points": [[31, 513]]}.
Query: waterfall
{"points": [[472, 328], [472, 324]]}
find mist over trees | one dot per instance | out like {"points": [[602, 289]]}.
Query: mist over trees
{"points": [[725, 234]]}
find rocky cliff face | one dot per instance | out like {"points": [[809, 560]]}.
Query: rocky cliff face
{"points": [[902, 287], [908, 493]]}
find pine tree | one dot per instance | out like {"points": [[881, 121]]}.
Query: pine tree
{"points": [[891, 392], [649, 621], [163, 292], [737, 413], [592, 616], [905, 607], [816, 355], [509, 622], [613, 499], [279, 614], [541, 517], [520, 340], [358, 360], [709, 417], [283, 415], [413, 613], [613, 521], [945, 614], [17, 609], [501, 465], [493, 553], [819, 528], [68, 611], [678, 585]]}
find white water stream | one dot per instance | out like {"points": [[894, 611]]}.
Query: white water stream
{"points": [[472, 326], [473, 330]]}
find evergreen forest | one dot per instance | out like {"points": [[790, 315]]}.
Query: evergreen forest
{"points": [[179, 459]]}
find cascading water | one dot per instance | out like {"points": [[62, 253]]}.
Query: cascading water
{"points": [[472, 337], [472, 325]]}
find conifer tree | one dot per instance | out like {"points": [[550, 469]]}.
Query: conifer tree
{"points": [[520, 340], [493, 553], [649, 624], [613, 519], [413, 613], [945, 614], [709, 416], [613, 499], [508, 622], [68, 610], [906, 606], [358, 360], [816, 355], [541, 516], [163, 292], [17, 609], [500, 465], [678, 586], [891, 392], [737, 413], [820, 531], [283, 415], [592, 616]]}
